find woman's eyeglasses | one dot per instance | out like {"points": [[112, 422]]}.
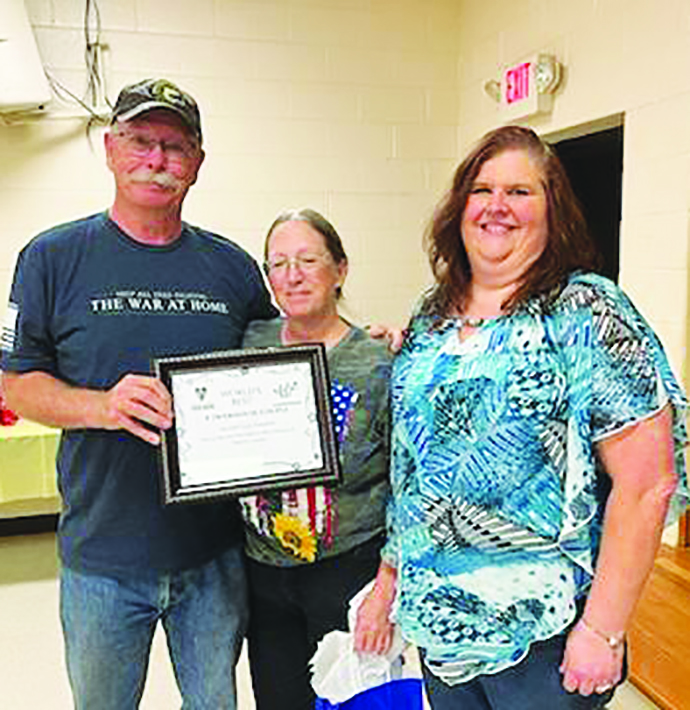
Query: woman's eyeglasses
{"points": [[304, 262]]}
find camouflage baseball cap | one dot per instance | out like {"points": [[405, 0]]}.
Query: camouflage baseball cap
{"points": [[151, 94]]}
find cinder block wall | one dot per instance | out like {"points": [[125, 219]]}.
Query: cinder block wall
{"points": [[629, 57], [348, 106]]}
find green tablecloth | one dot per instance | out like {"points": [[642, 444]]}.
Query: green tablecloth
{"points": [[27, 461]]}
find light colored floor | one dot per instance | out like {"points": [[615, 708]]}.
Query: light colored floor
{"points": [[32, 673]]}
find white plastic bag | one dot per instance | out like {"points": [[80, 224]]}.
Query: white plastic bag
{"points": [[340, 673]]}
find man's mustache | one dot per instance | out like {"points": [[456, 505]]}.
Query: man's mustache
{"points": [[165, 180]]}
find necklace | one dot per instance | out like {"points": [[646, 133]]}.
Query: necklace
{"points": [[471, 322]]}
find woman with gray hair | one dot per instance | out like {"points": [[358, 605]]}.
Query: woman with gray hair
{"points": [[310, 550]]}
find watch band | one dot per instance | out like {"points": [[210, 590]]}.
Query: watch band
{"points": [[614, 641]]}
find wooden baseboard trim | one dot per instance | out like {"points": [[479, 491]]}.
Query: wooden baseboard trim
{"points": [[674, 562], [659, 645], [649, 691]]}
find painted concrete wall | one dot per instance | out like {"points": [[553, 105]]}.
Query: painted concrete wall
{"points": [[348, 106], [629, 57]]}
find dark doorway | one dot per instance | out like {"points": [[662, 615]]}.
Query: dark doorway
{"points": [[594, 164]]}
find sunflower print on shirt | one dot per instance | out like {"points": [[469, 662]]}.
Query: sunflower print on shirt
{"points": [[309, 515]]}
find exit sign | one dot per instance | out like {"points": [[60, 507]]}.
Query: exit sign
{"points": [[517, 83], [520, 95]]}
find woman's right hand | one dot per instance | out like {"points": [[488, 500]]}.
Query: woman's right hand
{"points": [[374, 628]]}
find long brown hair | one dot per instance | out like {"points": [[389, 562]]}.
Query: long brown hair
{"points": [[569, 246]]}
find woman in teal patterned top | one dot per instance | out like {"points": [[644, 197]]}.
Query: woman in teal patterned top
{"points": [[537, 443]]}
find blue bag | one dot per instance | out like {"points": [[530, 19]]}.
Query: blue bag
{"points": [[403, 694]]}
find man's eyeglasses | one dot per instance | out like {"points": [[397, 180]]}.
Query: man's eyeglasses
{"points": [[142, 146], [306, 263]]}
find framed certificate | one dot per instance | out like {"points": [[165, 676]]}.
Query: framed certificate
{"points": [[247, 421]]}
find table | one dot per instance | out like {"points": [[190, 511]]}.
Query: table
{"points": [[27, 462]]}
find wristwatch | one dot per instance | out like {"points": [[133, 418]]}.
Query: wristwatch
{"points": [[614, 641]]}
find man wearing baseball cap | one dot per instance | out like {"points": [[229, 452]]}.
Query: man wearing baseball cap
{"points": [[92, 303]]}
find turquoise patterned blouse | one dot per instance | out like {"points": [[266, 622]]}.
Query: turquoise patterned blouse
{"points": [[498, 497]]}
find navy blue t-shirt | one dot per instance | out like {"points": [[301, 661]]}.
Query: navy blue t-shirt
{"points": [[89, 305]]}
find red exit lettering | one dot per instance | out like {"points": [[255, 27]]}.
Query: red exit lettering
{"points": [[517, 83]]}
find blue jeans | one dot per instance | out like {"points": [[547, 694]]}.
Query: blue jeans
{"points": [[108, 625], [534, 684]]}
